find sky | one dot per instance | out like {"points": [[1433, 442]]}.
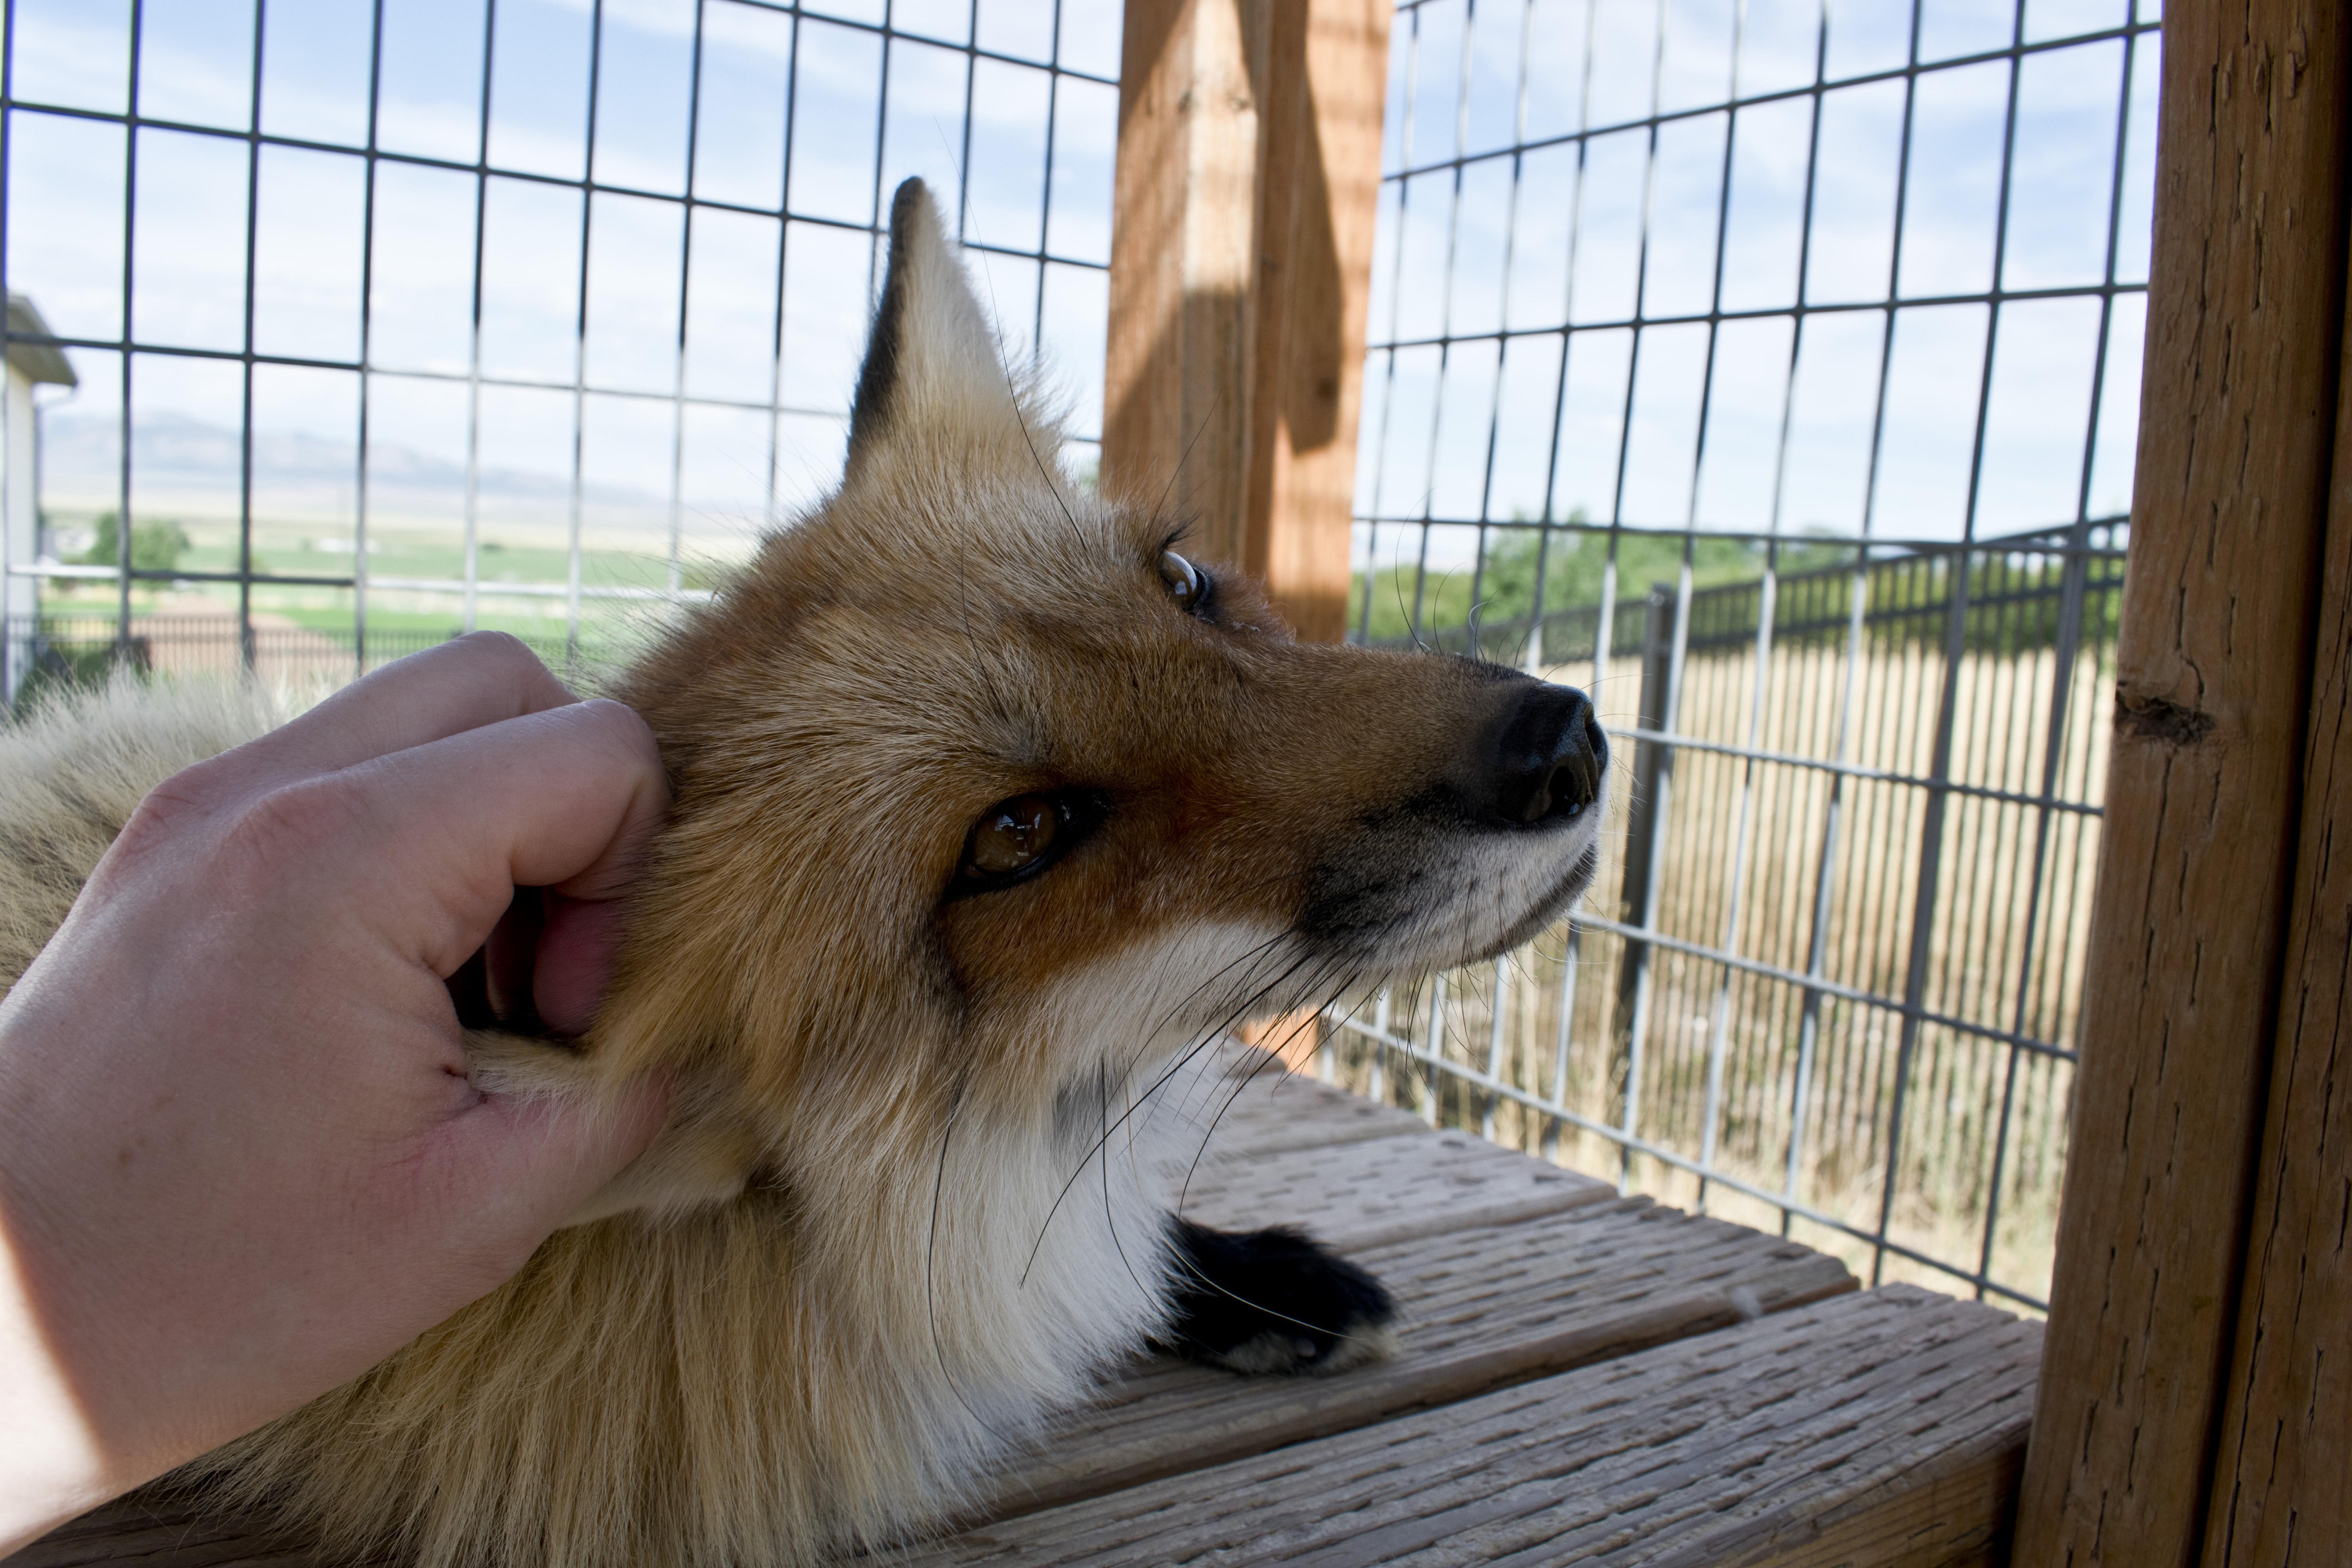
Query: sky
{"points": [[189, 216], [1525, 244], [1432, 413]]}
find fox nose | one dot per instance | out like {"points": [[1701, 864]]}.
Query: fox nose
{"points": [[1548, 757]]}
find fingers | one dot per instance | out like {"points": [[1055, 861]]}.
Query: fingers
{"points": [[517, 1168], [483, 678], [544, 968], [563, 799], [576, 948]]}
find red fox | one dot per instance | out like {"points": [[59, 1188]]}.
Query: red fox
{"points": [[992, 807]]}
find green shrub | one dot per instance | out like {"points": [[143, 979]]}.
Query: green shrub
{"points": [[154, 545]]}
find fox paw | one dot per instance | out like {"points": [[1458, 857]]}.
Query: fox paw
{"points": [[1276, 1301]]}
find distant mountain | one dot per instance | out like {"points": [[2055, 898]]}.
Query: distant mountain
{"points": [[181, 460]]}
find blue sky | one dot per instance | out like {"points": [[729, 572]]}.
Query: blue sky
{"points": [[1427, 430], [1507, 232], [190, 215]]}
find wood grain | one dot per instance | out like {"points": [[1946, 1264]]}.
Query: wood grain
{"points": [[1694, 1452], [1371, 1192], [1956, 1508], [1248, 1106], [1479, 1309], [1318, 191], [1248, 173], [2282, 1482], [1184, 212], [2189, 934]]}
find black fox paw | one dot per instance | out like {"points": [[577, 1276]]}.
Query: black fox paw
{"points": [[1276, 1301]]}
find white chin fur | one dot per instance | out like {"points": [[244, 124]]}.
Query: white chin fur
{"points": [[1141, 1007], [1497, 884]]}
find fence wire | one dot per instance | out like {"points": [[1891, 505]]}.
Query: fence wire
{"points": [[1772, 370], [397, 316]]}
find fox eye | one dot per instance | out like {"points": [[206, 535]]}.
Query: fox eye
{"points": [[1186, 584], [1012, 839]]}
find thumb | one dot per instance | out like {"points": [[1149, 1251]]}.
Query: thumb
{"points": [[518, 1165]]}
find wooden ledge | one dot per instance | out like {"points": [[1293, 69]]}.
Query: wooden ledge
{"points": [[1480, 1308], [1374, 1192], [1791, 1442], [1244, 1103]]}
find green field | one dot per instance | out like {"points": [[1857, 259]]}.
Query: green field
{"points": [[162, 545]]}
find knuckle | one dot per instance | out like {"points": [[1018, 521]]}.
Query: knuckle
{"points": [[620, 728], [504, 656], [297, 819], [187, 804], [165, 817], [498, 645]]}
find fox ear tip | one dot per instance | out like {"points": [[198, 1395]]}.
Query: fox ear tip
{"points": [[878, 379], [931, 359], [916, 223]]}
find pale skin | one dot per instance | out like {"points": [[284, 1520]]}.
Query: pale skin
{"points": [[240, 1161]]}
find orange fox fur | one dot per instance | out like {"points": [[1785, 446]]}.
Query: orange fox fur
{"points": [[810, 1316]]}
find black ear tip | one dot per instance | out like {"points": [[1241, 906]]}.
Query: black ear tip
{"points": [[914, 230], [912, 195]]}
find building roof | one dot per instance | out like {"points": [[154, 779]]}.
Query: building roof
{"points": [[37, 361]]}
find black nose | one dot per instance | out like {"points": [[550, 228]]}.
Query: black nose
{"points": [[1548, 757]]}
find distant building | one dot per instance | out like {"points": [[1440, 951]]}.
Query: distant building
{"points": [[33, 359]]}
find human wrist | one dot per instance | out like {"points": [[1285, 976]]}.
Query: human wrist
{"points": [[62, 1371], [52, 1464]]}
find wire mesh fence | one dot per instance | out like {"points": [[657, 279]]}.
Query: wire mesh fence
{"points": [[1770, 369], [391, 318], [1773, 369]]}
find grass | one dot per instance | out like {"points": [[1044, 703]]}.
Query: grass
{"points": [[394, 553], [396, 615], [1722, 1050]]}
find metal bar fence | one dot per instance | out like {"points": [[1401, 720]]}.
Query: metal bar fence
{"points": [[643, 231], [1773, 371]]}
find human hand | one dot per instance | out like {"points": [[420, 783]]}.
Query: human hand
{"points": [[240, 1161]]}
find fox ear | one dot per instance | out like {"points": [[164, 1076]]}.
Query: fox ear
{"points": [[932, 378]]}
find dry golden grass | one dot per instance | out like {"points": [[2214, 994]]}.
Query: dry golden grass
{"points": [[1741, 866]]}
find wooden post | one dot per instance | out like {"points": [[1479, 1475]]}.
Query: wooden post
{"points": [[2282, 1482], [1249, 135], [2181, 1006]]}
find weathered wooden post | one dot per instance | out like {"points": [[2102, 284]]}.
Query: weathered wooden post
{"points": [[2197, 1384], [1249, 146]]}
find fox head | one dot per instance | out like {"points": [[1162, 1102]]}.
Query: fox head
{"points": [[985, 789]]}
